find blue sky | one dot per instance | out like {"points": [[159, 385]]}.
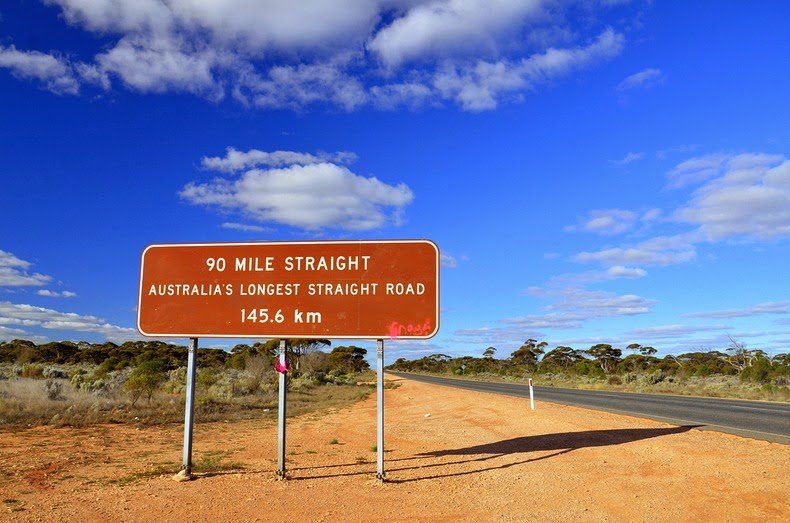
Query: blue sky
{"points": [[593, 171]]}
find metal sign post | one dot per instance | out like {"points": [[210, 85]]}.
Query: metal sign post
{"points": [[380, 410], [281, 414], [189, 409]]}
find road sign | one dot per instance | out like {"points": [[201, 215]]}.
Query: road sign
{"points": [[331, 289]]}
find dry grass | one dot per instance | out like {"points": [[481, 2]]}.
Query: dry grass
{"points": [[24, 403]]}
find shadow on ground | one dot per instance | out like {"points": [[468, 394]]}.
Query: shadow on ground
{"points": [[557, 444], [562, 441]]}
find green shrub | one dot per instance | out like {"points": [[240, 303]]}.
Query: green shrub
{"points": [[145, 379], [655, 378]]}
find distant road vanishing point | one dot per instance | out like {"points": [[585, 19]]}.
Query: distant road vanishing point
{"points": [[753, 419]]}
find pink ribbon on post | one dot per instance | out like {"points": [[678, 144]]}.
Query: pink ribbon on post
{"points": [[279, 367]]}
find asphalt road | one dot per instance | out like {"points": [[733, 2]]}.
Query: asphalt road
{"points": [[754, 419]]}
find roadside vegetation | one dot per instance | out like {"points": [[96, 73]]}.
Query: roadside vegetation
{"points": [[78, 384], [735, 372]]}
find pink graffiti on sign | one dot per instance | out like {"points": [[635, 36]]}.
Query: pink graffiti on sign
{"points": [[412, 329]]}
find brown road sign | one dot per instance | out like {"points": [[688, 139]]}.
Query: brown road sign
{"points": [[330, 289]]}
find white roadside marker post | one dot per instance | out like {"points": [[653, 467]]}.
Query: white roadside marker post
{"points": [[531, 395], [189, 411], [281, 415], [380, 411]]}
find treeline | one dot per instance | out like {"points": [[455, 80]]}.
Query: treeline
{"points": [[605, 361], [112, 357], [116, 357]]}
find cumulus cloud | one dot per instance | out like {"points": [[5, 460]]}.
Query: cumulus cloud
{"points": [[53, 72], [644, 79], [673, 331], [619, 271], [159, 65], [771, 307], [562, 281], [661, 250], [696, 170], [306, 195], [13, 272], [8, 333], [570, 309], [600, 304], [235, 160], [499, 335], [450, 27], [480, 86], [750, 197], [350, 54], [30, 315], [448, 261], [613, 221], [243, 227], [737, 196], [56, 294]]}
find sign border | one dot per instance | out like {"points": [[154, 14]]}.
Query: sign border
{"points": [[287, 336]]}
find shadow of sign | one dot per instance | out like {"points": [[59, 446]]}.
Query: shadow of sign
{"points": [[557, 444], [561, 441]]}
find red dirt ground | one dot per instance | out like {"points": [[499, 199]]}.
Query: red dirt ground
{"points": [[477, 457]]}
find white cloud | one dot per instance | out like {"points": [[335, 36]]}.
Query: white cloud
{"points": [[619, 271], [480, 86], [673, 331], [696, 170], [740, 196], [645, 78], [661, 250], [7, 333], [296, 86], [774, 307], [160, 65], [613, 221], [571, 308], [9, 260], [235, 160], [312, 196], [56, 294], [600, 304], [496, 336], [276, 54], [243, 227], [53, 72], [443, 28], [606, 222], [22, 314], [409, 94], [750, 198], [13, 272], [563, 281], [448, 261], [629, 158]]}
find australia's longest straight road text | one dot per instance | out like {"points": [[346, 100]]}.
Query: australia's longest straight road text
{"points": [[755, 419]]}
